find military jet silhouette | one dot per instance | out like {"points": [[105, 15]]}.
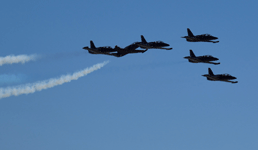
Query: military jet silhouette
{"points": [[219, 77], [201, 59], [128, 49], [199, 38], [98, 50], [152, 45]]}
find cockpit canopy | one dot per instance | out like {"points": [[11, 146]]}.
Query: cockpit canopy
{"points": [[226, 75], [207, 56], [205, 35], [158, 42], [106, 47]]}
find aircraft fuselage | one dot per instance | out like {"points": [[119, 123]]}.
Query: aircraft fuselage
{"points": [[127, 50], [202, 59], [154, 45], [220, 77], [99, 50], [200, 38]]}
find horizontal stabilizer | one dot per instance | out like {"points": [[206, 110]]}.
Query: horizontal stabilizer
{"points": [[90, 52], [190, 60], [118, 49]]}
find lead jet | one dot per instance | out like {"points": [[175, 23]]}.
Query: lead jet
{"points": [[201, 59], [152, 45], [199, 38], [128, 49], [219, 77], [98, 50]]}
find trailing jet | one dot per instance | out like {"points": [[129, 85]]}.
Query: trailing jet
{"points": [[152, 45], [128, 49], [219, 77], [199, 38], [201, 59], [98, 50]]}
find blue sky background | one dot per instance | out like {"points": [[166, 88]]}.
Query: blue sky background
{"points": [[155, 100]]}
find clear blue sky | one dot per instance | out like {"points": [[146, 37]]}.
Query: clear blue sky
{"points": [[151, 101]]}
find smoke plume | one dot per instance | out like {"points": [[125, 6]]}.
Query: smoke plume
{"points": [[17, 59], [38, 86]]}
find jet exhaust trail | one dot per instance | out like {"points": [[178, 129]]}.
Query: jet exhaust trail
{"points": [[17, 59], [38, 86]]}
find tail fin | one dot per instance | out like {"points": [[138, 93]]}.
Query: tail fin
{"points": [[192, 53], [143, 39], [92, 45], [189, 32], [117, 48], [210, 72]]}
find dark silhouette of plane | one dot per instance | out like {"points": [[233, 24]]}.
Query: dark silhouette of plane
{"points": [[128, 49], [201, 59], [199, 38], [98, 50], [152, 45], [219, 77]]}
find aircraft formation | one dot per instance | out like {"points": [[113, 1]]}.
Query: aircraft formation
{"points": [[132, 48]]}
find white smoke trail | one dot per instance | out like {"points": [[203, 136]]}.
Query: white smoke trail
{"points": [[38, 86], [16, 59]]}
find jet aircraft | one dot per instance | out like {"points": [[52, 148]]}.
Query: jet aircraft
{"points": [[219, 77], [201, 59], [199, 38], [128, 49], [152, 45], [98, 50]]}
